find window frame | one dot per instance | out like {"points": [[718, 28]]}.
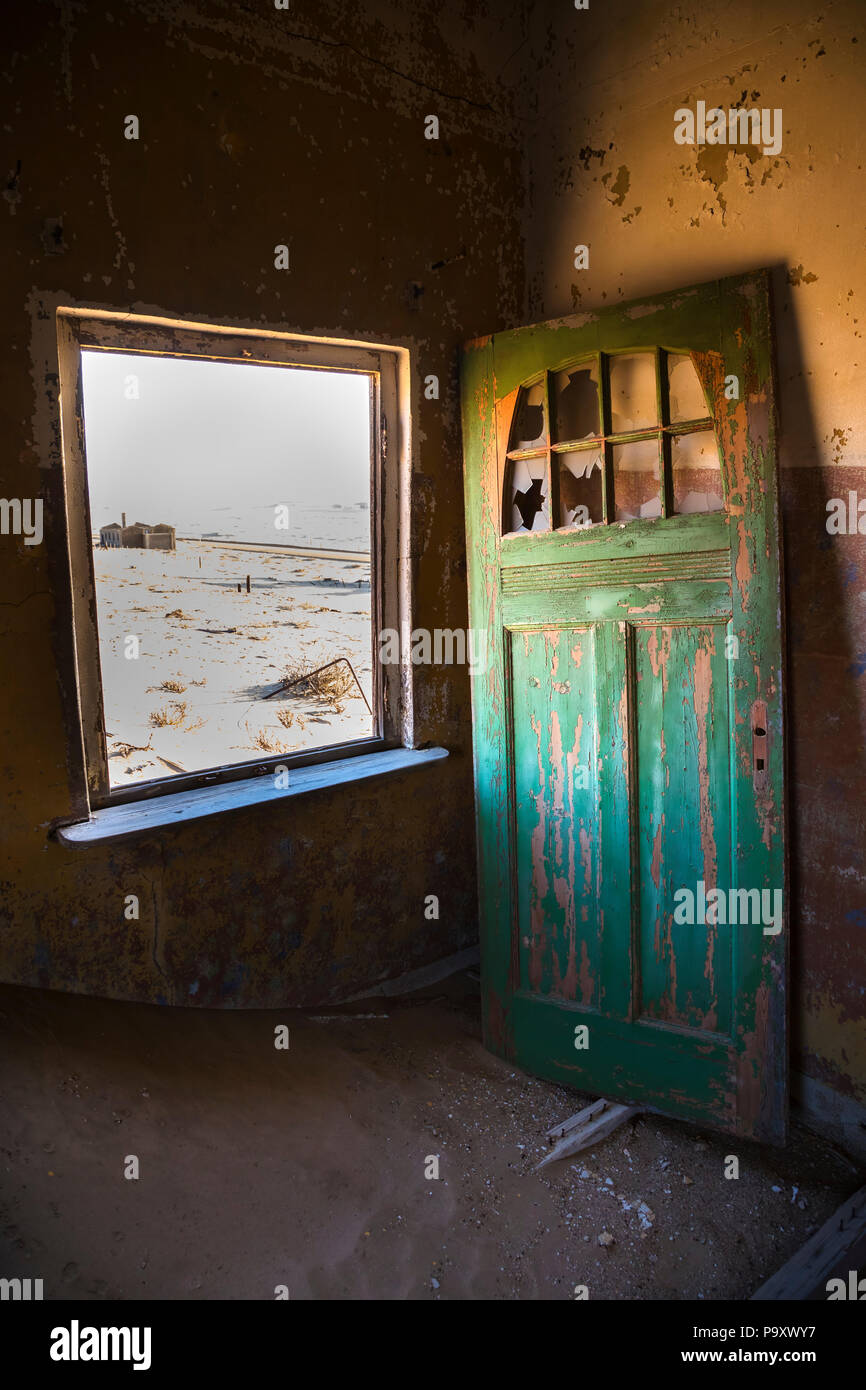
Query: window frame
{"points": [[604, 442], [387, 367]]}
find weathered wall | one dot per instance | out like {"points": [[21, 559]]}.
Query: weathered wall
{"points": [[258, 126], [606, 172], [307, 126]]}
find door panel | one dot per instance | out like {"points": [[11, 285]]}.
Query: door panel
{"points": [[556, 819], [683, 751], [624, 561]]}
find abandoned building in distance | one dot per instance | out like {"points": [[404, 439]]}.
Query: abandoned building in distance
{"points": [[138, 536]]}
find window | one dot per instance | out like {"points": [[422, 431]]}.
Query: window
{"points": [[233, 507], [612, 437]]}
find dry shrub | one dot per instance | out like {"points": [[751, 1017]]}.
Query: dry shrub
{"points": [[172, 687], [122, 749], [169, 717], [287, 718], [263, 740], [329, 685], [179, 613]]}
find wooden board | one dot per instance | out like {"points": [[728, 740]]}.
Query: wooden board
{"points": [[139, 817], [837, 1250]]}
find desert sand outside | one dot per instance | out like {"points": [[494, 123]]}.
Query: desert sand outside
{"points": [[193, 698]]}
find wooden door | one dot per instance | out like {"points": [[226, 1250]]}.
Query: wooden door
{"points": [[624, 560]]}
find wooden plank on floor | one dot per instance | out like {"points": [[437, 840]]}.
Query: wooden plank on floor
{"points": [[588, 1126], [840, 1239], [581, 1118]]}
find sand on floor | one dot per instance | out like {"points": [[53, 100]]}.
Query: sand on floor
{"points": [[225, 650], [308, 1167]]}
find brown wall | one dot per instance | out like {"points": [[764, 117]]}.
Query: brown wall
{"points": [[606, 172], [251, 135]]}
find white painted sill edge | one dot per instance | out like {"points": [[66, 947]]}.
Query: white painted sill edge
{"points": [[137, 817]]}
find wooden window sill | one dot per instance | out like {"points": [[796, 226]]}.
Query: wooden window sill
{"points": [[138, 817]]}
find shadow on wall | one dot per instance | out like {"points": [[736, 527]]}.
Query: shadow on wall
{"points": [[826, 692], [826, 720]]}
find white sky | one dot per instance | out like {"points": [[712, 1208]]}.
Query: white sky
{"points": [[206, 435]]}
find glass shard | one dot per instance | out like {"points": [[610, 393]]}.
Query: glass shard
{"points": [[685, 393], [576, 402], [636, 480], [633, 392], [527, 429], [697, 474], [529, 505], [580, 487]]}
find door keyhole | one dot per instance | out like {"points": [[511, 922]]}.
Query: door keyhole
{"points": [[759, 745]]}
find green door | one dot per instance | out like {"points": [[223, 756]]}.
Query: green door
{"points": [[623, 540]]}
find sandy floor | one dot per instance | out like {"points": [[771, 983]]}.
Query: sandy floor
{"points": [[306, 1167], [226, 650]]}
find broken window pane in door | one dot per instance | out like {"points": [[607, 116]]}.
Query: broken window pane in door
{"points": [[527, 429], [576, 402], [529, 507], [685, 393], [581, 475], [633, 404], [697, 475], [638, 405], [636, 480]]}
